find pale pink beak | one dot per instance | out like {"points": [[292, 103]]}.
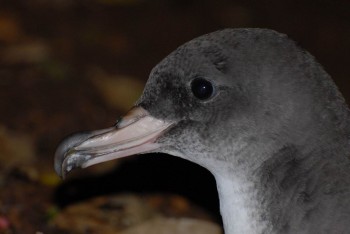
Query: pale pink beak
{"points": [[135, 133]]}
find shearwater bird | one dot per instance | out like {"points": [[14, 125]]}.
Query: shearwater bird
{"points": [[255, 110]]}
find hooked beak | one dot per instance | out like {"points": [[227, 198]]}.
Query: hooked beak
{"points": [[135, 133]]}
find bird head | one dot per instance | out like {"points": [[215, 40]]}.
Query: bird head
{"points": [[225, 100]]}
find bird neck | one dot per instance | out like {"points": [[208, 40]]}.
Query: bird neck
{"points": [[276, 196], [239, 206]]}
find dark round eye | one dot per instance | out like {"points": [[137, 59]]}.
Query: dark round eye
{"points": [[202, 88]]}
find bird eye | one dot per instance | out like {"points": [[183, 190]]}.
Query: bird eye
{"points": [[201, 88]]}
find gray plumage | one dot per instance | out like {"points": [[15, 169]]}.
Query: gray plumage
{"points": [[274, 134]]}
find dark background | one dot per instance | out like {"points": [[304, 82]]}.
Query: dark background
{"points": [[62, 66]]}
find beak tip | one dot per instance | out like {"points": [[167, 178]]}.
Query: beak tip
{"points": [[59, 156], [63, 174], [61, 163]]}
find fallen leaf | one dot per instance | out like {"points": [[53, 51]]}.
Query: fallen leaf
{"points": [[104, 215], [162, 225]]}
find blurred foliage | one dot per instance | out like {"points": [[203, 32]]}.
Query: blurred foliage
{"points": [[72, 65], [120, 92]]}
